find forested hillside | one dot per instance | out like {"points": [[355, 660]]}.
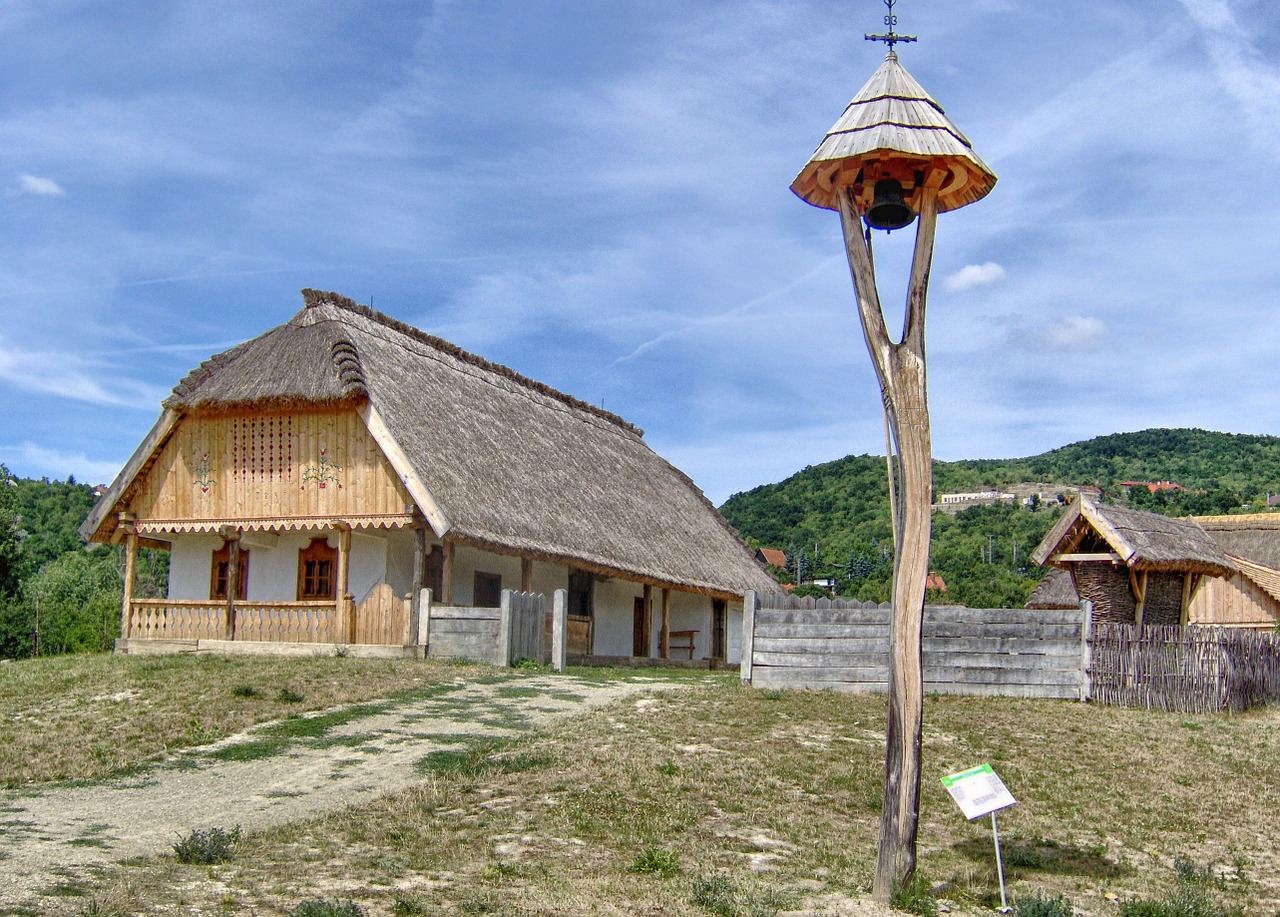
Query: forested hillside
{"points": [[56, 593], [834, 517]]}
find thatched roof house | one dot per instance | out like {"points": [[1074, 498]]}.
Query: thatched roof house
{"points": [[1251, 597], [408, 430], [1134, 566]]}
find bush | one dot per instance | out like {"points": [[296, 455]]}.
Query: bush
{"points": [[1041, 904], [203, 848]]}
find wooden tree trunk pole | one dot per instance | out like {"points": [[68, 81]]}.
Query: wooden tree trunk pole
{"points": [[900, 369]]}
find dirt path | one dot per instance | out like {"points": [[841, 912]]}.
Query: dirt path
{"points": [[263, 778]]}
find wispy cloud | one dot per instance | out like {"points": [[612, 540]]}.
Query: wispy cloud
{"points": [[44, 187], [974, 275], [29, 459], [68, 375]]}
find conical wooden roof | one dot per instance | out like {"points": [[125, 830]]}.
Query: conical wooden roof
{"points": [[895, 127]]}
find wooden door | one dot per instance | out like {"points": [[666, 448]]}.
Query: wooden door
{"points": [[640, 631]]}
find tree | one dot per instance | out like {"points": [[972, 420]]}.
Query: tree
{"points": [[76, 602]]}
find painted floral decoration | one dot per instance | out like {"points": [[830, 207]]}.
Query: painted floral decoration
{"points": [[202, 472], [322, 473]]}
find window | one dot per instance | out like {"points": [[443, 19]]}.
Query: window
{"points": [[316, 563], [220, 569], [488, 590], [581, 585]]}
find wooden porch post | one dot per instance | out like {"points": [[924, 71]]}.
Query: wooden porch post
{"points": [[664, 636], [646, 626], [446, 576], [232, 537], [130, 567], [419, 581], [344, 605], [1186, 599], [1139, 584], [526, 574]]}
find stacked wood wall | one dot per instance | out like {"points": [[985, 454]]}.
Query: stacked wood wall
{"points": [[1234, 602], [845, 646]]}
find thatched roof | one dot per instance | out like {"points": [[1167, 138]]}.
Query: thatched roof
{"points": [[1256, 537], [506, 463], [893, 112], [1054, 591], [1138, 539]]}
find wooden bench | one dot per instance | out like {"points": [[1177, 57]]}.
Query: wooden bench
{"points": [[685, 638]]}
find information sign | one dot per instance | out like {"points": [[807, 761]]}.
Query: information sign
{"points": [[978, 791]]}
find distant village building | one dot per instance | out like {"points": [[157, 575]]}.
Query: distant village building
{"points": [[1154, 487], [772, 556], [1024, 494]]}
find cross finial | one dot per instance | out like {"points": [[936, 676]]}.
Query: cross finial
{"points": [[891, 37]]}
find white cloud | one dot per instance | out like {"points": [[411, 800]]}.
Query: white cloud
{"points": [[974, 275], [1075, 332], [32, 460], [70, 376], [45, 187]]}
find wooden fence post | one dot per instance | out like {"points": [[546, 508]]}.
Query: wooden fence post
{"points": [[559, 628], [424, 621], [749, 605], [505, 630], [1086, 628], [130, 574]]}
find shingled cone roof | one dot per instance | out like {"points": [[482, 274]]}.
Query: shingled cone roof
{"points": [[507, 463], [893, 112]]}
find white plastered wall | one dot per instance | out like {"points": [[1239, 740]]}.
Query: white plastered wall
{"points": [[273, 565]]}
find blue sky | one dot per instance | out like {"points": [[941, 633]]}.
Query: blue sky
{"points": [[596, 194]]}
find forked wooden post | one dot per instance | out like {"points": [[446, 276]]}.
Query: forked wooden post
{"points": [[894, 154], [900, 369]]}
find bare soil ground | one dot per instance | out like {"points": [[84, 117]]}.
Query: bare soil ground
{"points": [[264, 778]]}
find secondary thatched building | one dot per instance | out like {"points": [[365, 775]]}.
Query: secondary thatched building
{"points": [[1135, 567], [310, 483], [1250, 597]]}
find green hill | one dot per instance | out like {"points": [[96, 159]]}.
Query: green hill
{"points": [[835, 516]]}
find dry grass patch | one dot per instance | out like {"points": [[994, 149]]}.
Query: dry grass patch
{"points": [[85, 717], [756, 803]]}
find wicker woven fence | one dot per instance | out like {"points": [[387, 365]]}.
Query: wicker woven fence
{"points": [[1183, 669]]}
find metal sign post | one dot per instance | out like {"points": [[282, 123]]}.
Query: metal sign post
{"points": [[979, 791]]}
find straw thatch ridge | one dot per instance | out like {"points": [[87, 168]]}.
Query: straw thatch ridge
{"points": [[1141, 540], [1054, 591], [513, 465]]}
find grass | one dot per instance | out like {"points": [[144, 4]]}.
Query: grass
{"points": [[87, 717], [765, 802]]}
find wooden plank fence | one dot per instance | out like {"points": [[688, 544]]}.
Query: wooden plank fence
{"points": [[498, 636], [844, 645]]}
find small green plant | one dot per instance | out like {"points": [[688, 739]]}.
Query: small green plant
{"points": [[1042, 904], [289, 696], [1023, 857], [654, 862], [1191, 896], [409, 906], [324, 907], [203, 848], [914, 897], [245, 691], [669, 769], [199, 734], [716, 895]]}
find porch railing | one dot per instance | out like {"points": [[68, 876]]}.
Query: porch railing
{"points": [[280, 622]]}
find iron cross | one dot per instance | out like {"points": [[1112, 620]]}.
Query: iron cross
{"points": [[891, 38]]}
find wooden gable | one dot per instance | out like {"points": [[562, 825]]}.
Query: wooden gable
{"points": [[269, 470]]}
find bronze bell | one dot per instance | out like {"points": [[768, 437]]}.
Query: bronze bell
{"points": [[888, 210]]}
